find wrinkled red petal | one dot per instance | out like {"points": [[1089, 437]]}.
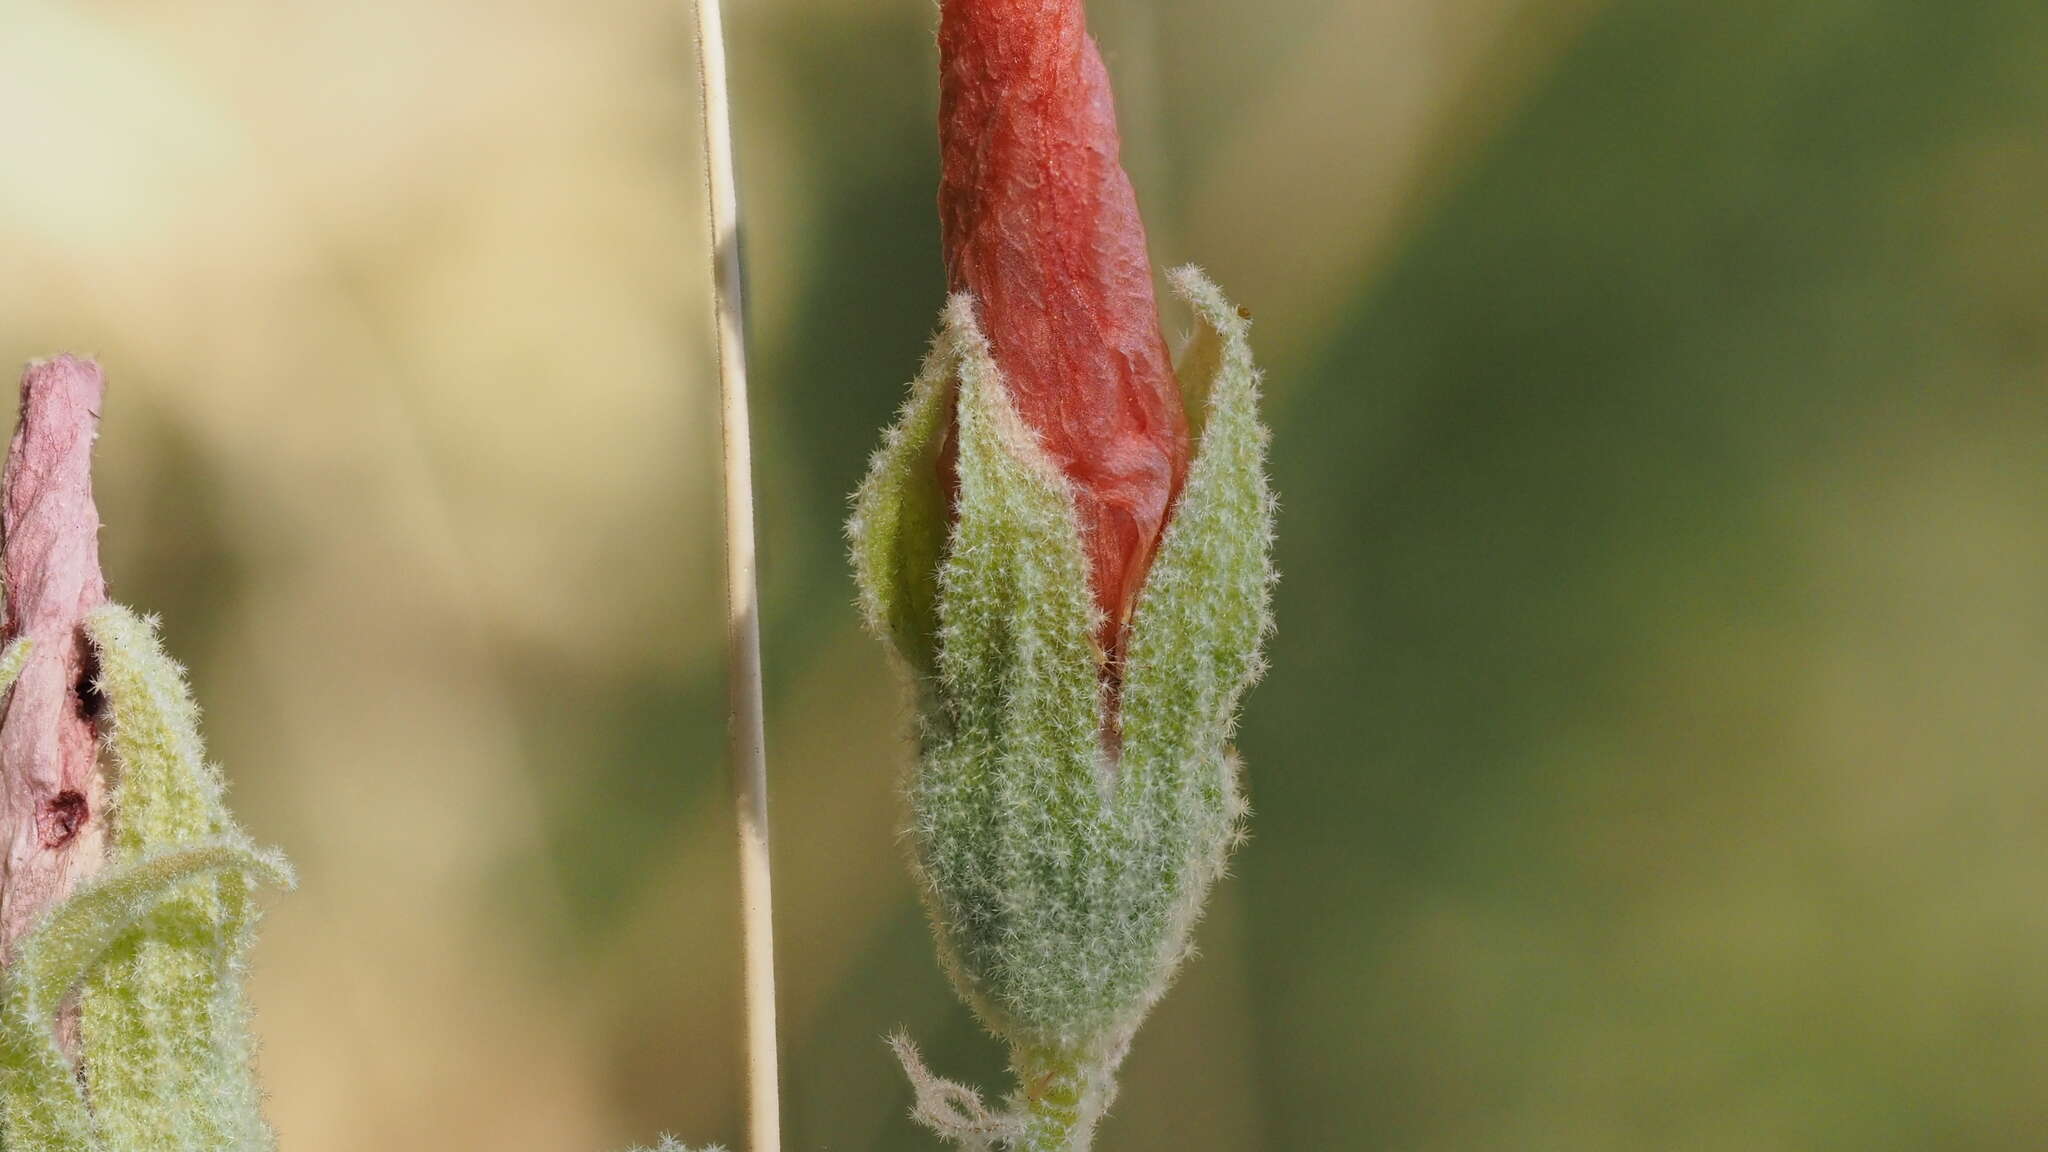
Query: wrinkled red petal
{"points": [[1040, 224], [50, 551]]}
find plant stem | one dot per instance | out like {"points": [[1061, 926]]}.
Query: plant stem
{"points": [[746, 748], [1057, 1093]]}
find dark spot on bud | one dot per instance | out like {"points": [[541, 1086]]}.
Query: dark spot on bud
{"points": [[91, 702], [60, 817]]}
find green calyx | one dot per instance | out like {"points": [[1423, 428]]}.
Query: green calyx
{"points": [[898, 529], [1064, 864], [156, 943]]}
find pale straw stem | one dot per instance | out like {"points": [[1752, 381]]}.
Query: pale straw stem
{"points": [[746, 750]]}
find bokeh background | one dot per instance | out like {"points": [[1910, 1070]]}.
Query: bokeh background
{"points": [[1656, 748]]}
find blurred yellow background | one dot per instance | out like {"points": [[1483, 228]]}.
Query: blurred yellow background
{"points": [[1656, 752]]}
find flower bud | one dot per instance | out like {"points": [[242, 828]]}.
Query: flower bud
{"points": [[1072, 556], [1013, 713], [1063, 871]]}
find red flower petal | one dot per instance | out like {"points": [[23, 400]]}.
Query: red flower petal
{"points": [[1041, 226]]}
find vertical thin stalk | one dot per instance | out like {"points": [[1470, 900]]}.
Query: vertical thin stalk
{"points": [[746, 749]]}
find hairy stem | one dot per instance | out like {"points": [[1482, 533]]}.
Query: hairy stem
{"points": [[1059, 1101]]}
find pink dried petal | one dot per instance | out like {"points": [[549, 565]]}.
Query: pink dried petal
{"points": [[50, 791], [1041, 226]]}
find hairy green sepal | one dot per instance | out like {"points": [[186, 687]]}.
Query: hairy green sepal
{"points": [[898, 528], [155, 944], [1063, 863]]}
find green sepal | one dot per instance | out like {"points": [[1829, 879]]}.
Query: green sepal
{"points": [[897, 532], [42, 1106], [1009, 795], [1200, 622], [163, 1022], [13, 660]]}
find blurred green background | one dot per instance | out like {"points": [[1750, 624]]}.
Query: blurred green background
{"points": [[1656, 748]]}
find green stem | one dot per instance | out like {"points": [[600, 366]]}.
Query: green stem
{"points": [[1057, 1095]]}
